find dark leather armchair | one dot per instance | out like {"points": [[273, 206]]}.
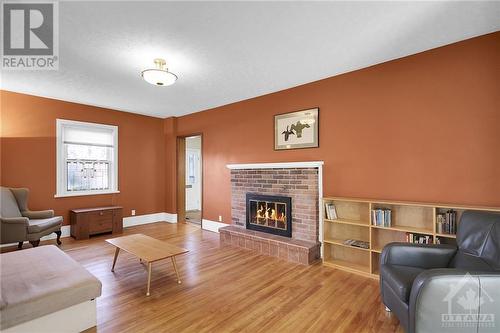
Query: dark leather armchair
{"points": [[439, 288]]}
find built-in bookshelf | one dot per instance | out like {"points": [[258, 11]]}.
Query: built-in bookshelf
{"points": [[356, 230]]}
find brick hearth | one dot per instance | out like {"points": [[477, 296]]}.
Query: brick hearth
{"points": [[301, 184], [301, 252]]}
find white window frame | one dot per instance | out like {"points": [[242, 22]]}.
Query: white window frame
{"points": [[61, 174]]}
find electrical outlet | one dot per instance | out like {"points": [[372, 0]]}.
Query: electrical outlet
{"points": [[220, 218], [133, 212]]}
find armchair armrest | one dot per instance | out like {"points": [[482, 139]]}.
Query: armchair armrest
{"points": [[443, 297], [418, 255], [38, 214], [13, 229], [15, 220]]}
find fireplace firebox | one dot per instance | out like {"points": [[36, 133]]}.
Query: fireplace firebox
{"points": [[269, 213]]}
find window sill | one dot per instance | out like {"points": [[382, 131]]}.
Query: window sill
{"points": [[83, 194]]}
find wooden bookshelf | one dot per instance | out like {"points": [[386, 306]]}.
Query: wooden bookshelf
{"points": [[446, 235], [347, 221], [416, 230], [354, 221], [348, 265], [340, 242]]}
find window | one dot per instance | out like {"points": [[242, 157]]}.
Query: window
{"points": [[87, 158]]}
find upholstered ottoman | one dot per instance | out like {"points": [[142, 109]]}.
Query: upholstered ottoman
{"points": [[45, 290]]}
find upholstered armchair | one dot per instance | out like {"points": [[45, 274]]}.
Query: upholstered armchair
{"points": [[19, 224], [441, 288]]}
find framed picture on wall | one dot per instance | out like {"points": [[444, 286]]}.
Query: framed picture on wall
{"points": [[296, 130]]}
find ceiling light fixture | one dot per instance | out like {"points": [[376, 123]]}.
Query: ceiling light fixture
{"points": [[159, 76]]}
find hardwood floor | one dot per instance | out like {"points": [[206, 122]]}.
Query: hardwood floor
{"points": [[225, 289]]}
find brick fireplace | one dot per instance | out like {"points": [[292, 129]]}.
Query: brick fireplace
{"points": [[300, 183]]}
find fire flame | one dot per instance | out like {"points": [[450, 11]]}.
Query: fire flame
{"points": [[269, 213]]}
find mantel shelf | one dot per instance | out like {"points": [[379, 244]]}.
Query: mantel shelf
{"points": [[279, 165]]}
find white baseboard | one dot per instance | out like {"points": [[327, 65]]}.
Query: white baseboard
{"points": [[127, 222], [149, 218], [212, 225], [170, 218]]}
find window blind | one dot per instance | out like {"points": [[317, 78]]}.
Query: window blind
{"points": [[83, 135]]}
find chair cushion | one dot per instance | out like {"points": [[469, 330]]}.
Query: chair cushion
{"points": [[39, 225], [400, 279], [9, 204]]}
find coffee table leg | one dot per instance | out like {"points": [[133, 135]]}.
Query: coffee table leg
{"points": [[175, 269], [149, 278], [114, 260]]}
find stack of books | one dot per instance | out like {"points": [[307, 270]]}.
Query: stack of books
{"points": [[446, 223], [331, 212], [418, 239], [382, 217]]}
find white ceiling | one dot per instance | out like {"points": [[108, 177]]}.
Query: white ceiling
{"points": [[225, 52]]}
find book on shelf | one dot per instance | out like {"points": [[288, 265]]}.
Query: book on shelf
{"points": [[418, 238], [331, 211], [382, 217], [446, 223], [357, 243]]}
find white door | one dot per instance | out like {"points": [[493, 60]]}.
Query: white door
{"points": [[193, 179]]}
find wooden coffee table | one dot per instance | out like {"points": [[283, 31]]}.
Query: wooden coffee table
{"points": [[148, 249]]}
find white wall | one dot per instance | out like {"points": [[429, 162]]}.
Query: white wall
{"points": [[193, 168]]}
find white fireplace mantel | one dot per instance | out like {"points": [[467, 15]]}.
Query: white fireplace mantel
{"points": [[285, 165], [281, 165]]}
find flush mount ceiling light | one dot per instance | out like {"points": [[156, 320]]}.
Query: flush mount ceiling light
{"points": [[159, 76]]}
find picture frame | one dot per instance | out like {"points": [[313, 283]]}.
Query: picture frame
{"points": [[297, 130]]}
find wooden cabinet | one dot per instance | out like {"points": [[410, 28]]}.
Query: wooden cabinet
{"points": [[86, 222]]}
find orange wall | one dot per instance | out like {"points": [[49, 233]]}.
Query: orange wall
{"points": [[424, 127], [28, 149]]}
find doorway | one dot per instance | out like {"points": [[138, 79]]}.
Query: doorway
{"points": [[190, 179]]}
